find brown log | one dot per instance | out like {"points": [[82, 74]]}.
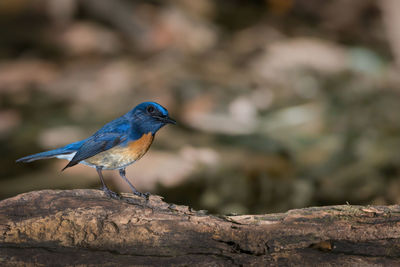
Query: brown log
{"points": [[84, 227]]}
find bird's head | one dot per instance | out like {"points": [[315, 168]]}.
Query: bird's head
{"points": [[150, 117]]}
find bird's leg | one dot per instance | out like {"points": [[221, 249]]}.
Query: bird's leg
{"points": [[106, 190], [134, 191]]}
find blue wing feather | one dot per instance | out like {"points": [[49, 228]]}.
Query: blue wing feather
{"points": [[110, 135]]}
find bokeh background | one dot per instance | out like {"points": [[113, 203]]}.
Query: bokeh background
{"points": [[281, 103]]}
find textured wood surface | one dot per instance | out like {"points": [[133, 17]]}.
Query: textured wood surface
{"points": [[84, 227]]}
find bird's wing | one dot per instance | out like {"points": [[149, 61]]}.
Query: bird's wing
{"points": [[95, 145], [109, 136]]}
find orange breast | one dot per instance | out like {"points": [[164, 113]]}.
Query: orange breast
{"points": [[139, 147], [119, 157]]}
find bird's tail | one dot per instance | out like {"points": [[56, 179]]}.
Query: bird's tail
{"points": [[68, 149]]}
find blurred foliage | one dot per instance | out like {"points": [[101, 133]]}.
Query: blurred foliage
{"points": [[280, 104]]}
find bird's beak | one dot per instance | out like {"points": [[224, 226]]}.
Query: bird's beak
{"points": [[167, 119]]}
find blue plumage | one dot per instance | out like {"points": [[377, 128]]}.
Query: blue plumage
{"points": [[68, 149], [116, 145]]}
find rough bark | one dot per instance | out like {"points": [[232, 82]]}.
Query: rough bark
{"points": [[84, 227]]}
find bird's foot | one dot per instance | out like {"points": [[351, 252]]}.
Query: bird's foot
{"points": [[140, 194], [111, 194]]}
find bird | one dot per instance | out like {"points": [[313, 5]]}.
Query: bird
{"points": [[116, 145]]}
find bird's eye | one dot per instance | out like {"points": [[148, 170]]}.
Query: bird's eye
{"points": [[150, 109]]}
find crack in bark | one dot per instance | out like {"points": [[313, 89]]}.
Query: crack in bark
{"points": [[236, 248]]}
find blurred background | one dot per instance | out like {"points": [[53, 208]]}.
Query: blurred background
{"points": [[281, 103]]}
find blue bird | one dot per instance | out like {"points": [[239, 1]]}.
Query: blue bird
{"points": [[116, 145]]}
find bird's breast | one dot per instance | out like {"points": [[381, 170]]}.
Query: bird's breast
{"points": [[122, 156]]}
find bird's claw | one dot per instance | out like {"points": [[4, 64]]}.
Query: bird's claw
{"points": [[144, 195], [111, 194]]}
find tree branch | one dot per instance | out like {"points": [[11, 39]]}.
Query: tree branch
{"points": [[85, 227]]}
